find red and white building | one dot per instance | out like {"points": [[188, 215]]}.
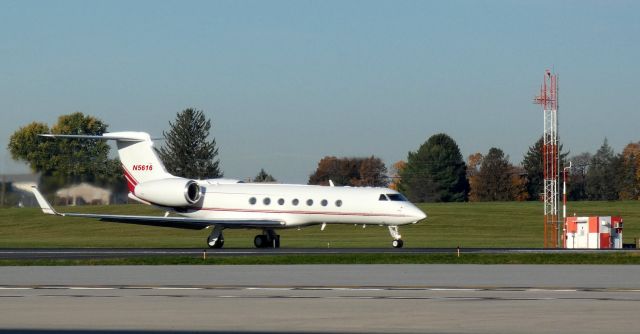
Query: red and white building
{"points": [[593, 232]]}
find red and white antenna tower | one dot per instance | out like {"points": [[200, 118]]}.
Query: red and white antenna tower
{"points": [[548, 98]]}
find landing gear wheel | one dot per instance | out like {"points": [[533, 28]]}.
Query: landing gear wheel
{"points": [[397, 243], [260, 241], [269, 240], [218, 244]]}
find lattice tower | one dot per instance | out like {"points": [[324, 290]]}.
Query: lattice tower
{"points": [[548, 98]]}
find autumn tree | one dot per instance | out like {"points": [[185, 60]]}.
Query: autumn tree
{"points": [[494, 178], [519, 182], [436, 172], [263, 177], [396, 169], [369, 171], [629, 172], [474, 161], [577, 185], [372, 172], [188, 151], [63, 162]]}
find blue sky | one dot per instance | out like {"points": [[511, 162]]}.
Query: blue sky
{"points": [[288, 82]]}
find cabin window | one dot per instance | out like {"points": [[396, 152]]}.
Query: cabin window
{"points": [[324, 202], [397, 197], [309, 202], [266, 201], [382, 198], [295, 202], [339, 203], [252, 200], [281, 201]]}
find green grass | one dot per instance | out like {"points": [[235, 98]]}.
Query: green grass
{"points": [[503, 224], [569, 258]]}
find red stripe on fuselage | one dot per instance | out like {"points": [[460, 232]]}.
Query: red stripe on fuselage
{"points": [[328, 213]]}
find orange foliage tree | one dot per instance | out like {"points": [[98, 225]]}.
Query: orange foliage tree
{"points": [[357, 172], [396, 169], [630, 172]]}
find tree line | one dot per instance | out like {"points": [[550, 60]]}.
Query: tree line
{"points": [[435, 172]]}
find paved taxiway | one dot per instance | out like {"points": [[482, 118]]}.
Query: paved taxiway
{"points": [[80, 253], [325, 298]]}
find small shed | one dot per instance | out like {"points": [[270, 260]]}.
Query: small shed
{"points": [[600, 232]]}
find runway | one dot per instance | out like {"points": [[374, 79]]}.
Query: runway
{"points": [[324, 298], [83, 253]]}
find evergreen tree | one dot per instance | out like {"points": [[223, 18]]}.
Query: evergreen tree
{"points": [[494, 178], [601, 179], [436, 172], [533, 166], [264, 177], [187, 151]]}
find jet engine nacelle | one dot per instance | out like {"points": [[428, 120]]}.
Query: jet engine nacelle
{"points": [[174, 192]]}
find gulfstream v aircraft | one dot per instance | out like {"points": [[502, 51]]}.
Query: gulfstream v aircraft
{"points": [[219, 204]]}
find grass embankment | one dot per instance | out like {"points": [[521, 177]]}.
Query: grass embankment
{"points": [[468, 225]]}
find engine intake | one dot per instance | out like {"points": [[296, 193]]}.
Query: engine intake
{"points": [[174, 192]]}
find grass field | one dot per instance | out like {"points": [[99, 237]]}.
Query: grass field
{"points": [[503, 224]]}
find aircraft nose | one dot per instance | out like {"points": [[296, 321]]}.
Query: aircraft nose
{"points": [[418, 214]]}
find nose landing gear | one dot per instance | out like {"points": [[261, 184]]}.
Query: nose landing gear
{"points": [[397, 238], [215, 239]]}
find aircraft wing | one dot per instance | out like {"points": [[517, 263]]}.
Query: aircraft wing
{"points": [[175, 222]]}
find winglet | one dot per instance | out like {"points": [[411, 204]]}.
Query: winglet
{"points": [[44, 205]]}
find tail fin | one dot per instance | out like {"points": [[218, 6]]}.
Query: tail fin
{"points": [[139, 161]]}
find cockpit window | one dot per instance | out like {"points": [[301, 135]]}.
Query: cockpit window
{"points": [[397, 198], [383, 198]]}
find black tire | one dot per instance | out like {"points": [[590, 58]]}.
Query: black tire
{"points": [[260, 241], [397, 243], [218, 244]]}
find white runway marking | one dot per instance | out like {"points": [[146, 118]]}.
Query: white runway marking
{"points": [[318, 288]]}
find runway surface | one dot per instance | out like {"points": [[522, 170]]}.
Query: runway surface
{"points": [[324, 298], [80, 253]]}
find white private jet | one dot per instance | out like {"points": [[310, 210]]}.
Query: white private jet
{"points": [[223, 203]]}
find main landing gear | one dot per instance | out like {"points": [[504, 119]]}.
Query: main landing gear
{"points": [[216, 239], [397, 238], [268, 239]]}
